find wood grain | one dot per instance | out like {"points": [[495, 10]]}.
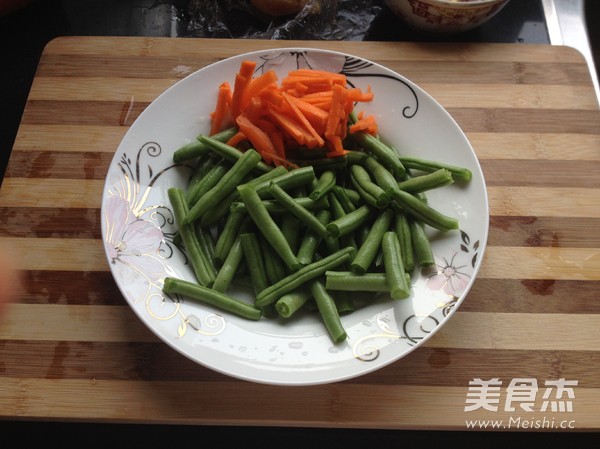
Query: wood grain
{"points": [[72, 348]]}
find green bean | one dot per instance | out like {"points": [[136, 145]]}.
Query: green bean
{"points": [[368, 250], [338, 211], [203, 167], [328, 311], [296, 210], [433, 180], [310, 241], [370, 191], [387, 155], [287, 181], [383, 177], [211, 179], [426, 214], [228, 234], [198, 260], [254, 261], [344, 303], [230, 266], [303, 275], [349, 281], [421, 244], [356, 157], [267, 226], [209, 296], [291, 302], [214, 215], [324, 184], [230, 180], [196, 149], [321, 164], [291, 226], [230, 153], [350, 222], [207, 244], [394, 267], [344, 199], [353, 196], [274, 207], [274, 266], [402, 229], [461, 173]]}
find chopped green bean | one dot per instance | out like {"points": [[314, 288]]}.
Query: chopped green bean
{"points": [[204, 272], [296, 210], [349, 222], [387, 155], [394, 266], [229, 268], [209, 296], [349, 281], [291, 302], [254, 261], [421, 244], [269, 229], [368, 250], [310, 241], [402, 229], [328, 311], [423, 212], [303, 275], [370, 191], [275, 207], [230, 153], [433, 180], [196, 148], [228, 234], [461, 173], [324, 184], [230, 180]]}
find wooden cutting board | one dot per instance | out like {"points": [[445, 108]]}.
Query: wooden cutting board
{"points": [[72, 349]]}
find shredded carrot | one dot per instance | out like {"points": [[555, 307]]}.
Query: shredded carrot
{"points": [[307, 110], [219, 116]]}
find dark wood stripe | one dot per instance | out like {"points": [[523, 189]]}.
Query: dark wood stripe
{"points": [[532, 296], [159, 362], [486, 295], [541, 173], [99, 113], [70, 288], [57, 164], [544, 231], [463, 72], [50, 222], [527, 120]]}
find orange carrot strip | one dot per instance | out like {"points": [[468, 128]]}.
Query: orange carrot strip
{"points": [[259, 139], [367, 124], [242, 80], [257, 85], [221, 109], [336, 112], [298, 115], [291, 127], [236, 139], [335, 77]]}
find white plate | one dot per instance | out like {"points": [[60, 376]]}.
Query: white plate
{"points": [[138, 229]]}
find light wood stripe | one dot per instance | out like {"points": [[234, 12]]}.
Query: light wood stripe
{"points": [[74, 323], [511, 201], [503, 96], [55, 253], [39, 192], [405, 51], [95, 88], [499, 262], [518, 146], [544, 202], [449, 95], [541, 263], [201, 403], [464, 330], [94, 139]]}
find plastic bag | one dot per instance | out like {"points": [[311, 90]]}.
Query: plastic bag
{"points": [[319, 19]]}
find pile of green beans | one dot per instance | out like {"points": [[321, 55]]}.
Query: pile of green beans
{"points": [[305, 239]]}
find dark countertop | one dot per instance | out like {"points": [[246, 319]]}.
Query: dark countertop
{"points": [[23, 35]]}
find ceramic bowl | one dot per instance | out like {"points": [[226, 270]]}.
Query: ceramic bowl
{"points": [[445, 16]]}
